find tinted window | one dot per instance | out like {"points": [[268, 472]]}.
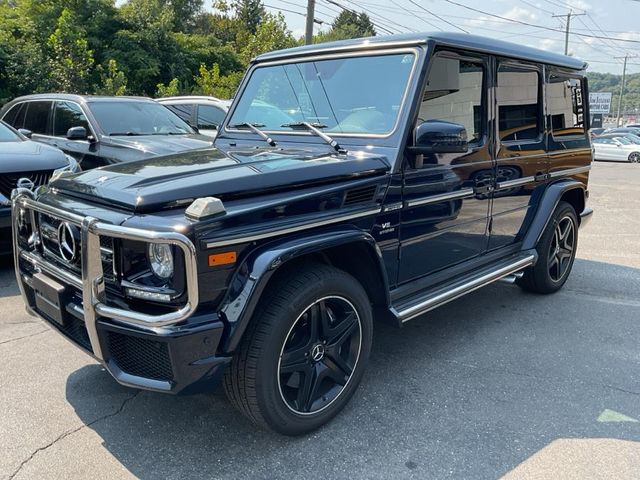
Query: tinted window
{"points": [[37, 117], [184, 111], [12, 115], [66, 116], [565, 104], [7, 135], [351, 95], [519, 105], [454, 94], [123, 117], [209, 118]]}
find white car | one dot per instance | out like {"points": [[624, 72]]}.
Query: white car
{"points": [[619, 149], [204, 113]]}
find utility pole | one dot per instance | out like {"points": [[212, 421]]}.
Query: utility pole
{"points": [[568, 27], [308, 34], [624, 80]]}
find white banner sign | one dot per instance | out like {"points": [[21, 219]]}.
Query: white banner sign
{"points": [[600, 102]]}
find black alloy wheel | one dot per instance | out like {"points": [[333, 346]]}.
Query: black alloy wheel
{"points": [[556, 253], [305, 351], [319, 355], [562, 248]]}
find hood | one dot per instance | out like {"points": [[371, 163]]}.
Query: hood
{"points": [[155, 183], [28, 156], [153, 145]]}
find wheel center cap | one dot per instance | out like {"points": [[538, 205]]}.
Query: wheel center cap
{"points": [[317, 352]]}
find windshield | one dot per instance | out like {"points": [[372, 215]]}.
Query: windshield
{"points": [[345, 95], [8, 135], [137, 118]]}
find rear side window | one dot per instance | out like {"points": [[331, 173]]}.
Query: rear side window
{"points": [[184, 111], [37, 117], [210, 117], [68, 115], [519, 103], [565, 104], [15, 116]]}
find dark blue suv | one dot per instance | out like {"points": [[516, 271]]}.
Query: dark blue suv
{"points": [[354, 181]]}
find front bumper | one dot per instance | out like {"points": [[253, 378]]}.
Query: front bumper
{"points": [[171, 352]]}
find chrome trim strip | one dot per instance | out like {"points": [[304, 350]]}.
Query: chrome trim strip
{"points": [[569, 171], [442, 197], [515, 182], [297, 228], [440, 299], [40, 264], [392, 207], [372, 46], [92, 282]]}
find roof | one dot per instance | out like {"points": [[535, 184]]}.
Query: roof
{"points": [[450, 39]]}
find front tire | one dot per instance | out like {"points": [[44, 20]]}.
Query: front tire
{"points": [[304, 352], [634, 157], [556, 253]]}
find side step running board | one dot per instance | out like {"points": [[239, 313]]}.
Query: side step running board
{"points": [[416, 306]]}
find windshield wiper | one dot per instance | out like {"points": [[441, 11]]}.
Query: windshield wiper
{"points": [[315, 128], [254, 128], [126, 134]]}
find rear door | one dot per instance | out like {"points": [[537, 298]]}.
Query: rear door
{"points": [[37, 119], [521, 161]]}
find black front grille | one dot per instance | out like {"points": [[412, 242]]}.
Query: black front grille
{"points": [[140, 357], [9, 181], [76, 331]]}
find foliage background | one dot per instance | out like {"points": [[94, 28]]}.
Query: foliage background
{"points": [[142, 47]]}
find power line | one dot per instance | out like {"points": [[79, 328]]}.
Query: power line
{"points": [[380, 27], [387, 20], [512, 20], [437, 16]]}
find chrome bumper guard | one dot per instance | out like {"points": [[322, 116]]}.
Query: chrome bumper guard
{"points": [[92, 282]]}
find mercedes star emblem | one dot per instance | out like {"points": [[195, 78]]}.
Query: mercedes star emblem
{"points": [[68, 241], [24, 182]]}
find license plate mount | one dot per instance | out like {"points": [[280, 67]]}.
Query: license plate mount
{"points": [[49, 297]]}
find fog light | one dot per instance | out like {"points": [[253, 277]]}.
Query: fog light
{"points": [[161, 260], [146, 295]]}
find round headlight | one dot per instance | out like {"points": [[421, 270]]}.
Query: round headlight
{"points": [[161, 260]]}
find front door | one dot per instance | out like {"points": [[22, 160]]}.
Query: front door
{"points": [[446, 208]]}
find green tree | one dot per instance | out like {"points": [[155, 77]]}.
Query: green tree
{"points": [[71, 60], [112, 80], [272, 34], [210, 82], [171, 89], [348, 24], [249, 13]]}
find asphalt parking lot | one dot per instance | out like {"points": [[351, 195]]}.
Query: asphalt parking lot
{"points": [[499, 383]]}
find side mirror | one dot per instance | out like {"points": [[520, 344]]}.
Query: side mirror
{"points": [[77, 133], [26, 132], [435, 136]]}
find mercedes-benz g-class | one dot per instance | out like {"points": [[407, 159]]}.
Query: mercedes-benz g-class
{"points": [[376, 178]]}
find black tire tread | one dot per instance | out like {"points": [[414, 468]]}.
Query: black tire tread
{"points": [[240, 377], [533, 278]]}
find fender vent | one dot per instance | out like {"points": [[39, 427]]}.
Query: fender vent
{"points": [[360, 195]]}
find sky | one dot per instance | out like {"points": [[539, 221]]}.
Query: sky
{"points": [[614, 19]]}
